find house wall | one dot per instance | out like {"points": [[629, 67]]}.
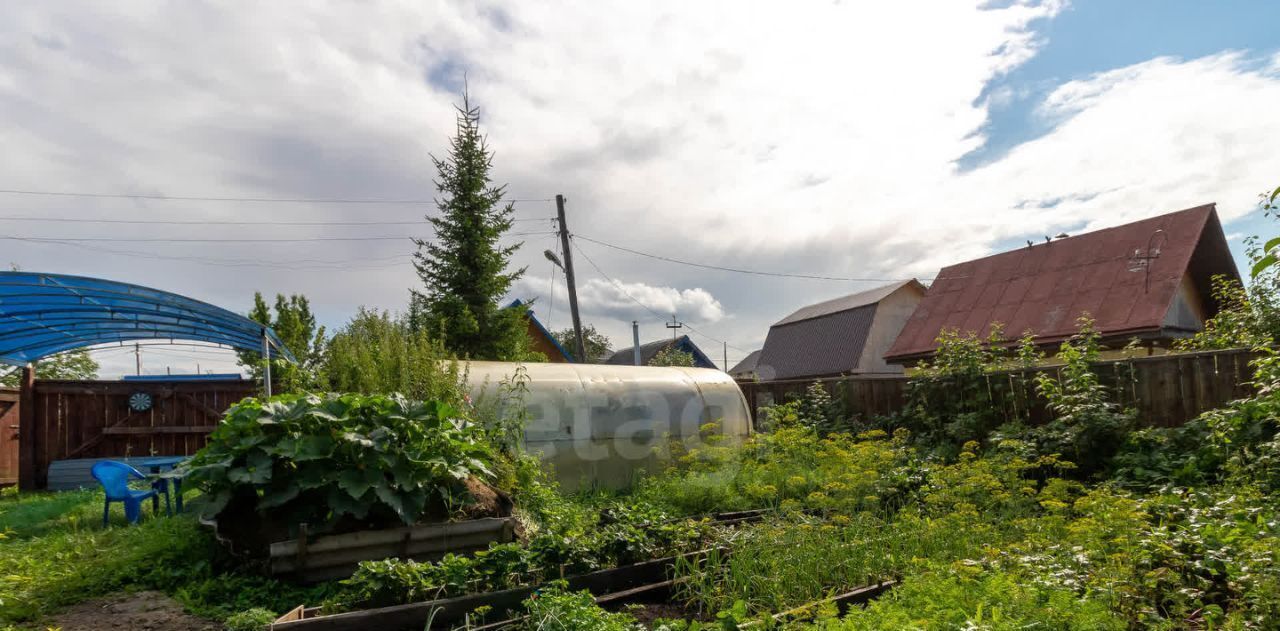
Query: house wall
{"points": [[1187, 310], [891, 315], [543, 344]]}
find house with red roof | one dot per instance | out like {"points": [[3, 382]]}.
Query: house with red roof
{"points": [[1150, 280]]}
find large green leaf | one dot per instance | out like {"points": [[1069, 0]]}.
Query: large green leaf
{"points": [[258, 466], [1262, 264], [313, 475], [278, 497], [353, 437], [341, 503], [313, 448], [1271, 245], [398, 503], [357, 482]]}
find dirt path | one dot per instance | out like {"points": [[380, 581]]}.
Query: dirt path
{"points": [[144, 611]]}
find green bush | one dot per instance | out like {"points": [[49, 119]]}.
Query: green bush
{"points": [[629, 537], [318, 459], [256, 619], [556, 609], [376, 353], [793, 467], [1086, 428], [992, 601]]}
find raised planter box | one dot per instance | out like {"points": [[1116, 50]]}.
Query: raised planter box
{"points": [[446, 612], [311, 559]]}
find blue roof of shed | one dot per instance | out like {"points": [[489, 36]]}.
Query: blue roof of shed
{"points": [[223, 376], [45, 314]]}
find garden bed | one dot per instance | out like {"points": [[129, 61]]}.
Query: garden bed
{"points": [[503, 604], [336, 556]]}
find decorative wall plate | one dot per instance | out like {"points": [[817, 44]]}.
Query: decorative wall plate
{"points": [[139, 402]]}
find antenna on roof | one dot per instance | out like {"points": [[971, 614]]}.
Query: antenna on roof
{"points": [[675, 326], [1029, 243], [1047, 239], [1142, 262]]}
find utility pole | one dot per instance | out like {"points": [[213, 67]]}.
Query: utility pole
{"points": [[726, 356], [137, 357], [635, 342], [581, 348], [675, 327], [266, 363]]}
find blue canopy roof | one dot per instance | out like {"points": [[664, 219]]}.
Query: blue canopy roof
{"points": [[45, 314]]}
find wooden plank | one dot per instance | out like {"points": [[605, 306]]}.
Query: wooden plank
{"points": [[27, 440], [338, 555], [161, 429], [291, 615], [450, 611]]}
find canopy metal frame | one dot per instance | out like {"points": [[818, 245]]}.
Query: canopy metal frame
{"points": [[46, 314]]}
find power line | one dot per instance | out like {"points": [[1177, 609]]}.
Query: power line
{"points": [[226, 240], [734, 269], [266, 200], [203, 240], [646, 307], [292, 264], [170, 222]]}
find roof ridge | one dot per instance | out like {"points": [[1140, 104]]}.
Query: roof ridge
{"points": [[883, 291]]}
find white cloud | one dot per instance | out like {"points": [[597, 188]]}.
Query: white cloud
{"points": [[1154, 137], [814, 138], [624, 301], [621, 301]]}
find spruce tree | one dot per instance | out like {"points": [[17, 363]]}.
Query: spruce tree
{"points": [[464, 268]]}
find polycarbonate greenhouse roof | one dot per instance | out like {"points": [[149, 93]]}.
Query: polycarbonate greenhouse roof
{"points": [[44, 314]]}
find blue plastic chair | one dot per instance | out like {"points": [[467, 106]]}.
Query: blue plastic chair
{"points": [[114, 478]]}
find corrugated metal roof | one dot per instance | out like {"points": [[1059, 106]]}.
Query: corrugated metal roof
{"points": [[827, 345], [747, 365], [1045, 287], [844, 303]]}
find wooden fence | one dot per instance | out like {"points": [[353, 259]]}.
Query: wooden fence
{"points": [[62, 420], [8, 436], [1165, 390]]}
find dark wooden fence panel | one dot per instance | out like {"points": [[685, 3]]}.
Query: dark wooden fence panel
{"points": [[92, 419], [1165, 390], [8, 436]]}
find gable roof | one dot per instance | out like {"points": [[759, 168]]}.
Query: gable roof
{"points": [[1045, 287], [542, 330], [827, 338], [845, 303], [626, 356], [747, 365]]}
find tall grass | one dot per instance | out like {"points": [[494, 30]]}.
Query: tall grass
{"points": [[54, 552], [793, 561]]}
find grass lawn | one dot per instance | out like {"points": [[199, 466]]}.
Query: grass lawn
{"points": [[54, 552]]}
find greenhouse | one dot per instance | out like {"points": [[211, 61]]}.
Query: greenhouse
{"points": [[601, 424]]}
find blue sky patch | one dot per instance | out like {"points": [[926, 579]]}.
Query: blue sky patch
{"points": [[1092, 36]]}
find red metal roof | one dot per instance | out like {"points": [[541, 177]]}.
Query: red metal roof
{"points": [[1045, 287]]}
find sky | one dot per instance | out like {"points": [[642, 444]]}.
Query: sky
{"points": [[853, 139]]}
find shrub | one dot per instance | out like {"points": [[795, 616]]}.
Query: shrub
{"points": [[629, 536], [256, 619], [793, 466], [556, 609], [319, 459], [959, 598], [1087, 427], [376, 353], [953, 399]]}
